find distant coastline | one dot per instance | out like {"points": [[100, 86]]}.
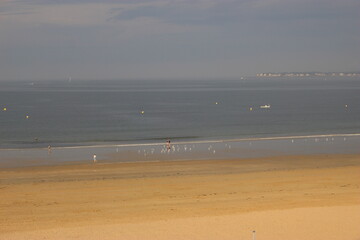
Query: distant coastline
{"points": [[309, 74]]}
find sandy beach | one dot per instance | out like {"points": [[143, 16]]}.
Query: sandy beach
{"points": [[288, 197]]}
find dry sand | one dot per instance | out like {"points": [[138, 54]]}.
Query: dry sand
{"points": [[288, 197]]}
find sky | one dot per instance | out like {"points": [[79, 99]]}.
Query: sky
{"points": [[176, 39]]}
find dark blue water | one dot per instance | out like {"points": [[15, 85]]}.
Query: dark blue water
{"points": [[63, 113]]}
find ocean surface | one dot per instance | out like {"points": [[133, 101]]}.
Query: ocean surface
{"points": [[104, 113]]}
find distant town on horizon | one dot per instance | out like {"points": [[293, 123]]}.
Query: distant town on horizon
{"points": [[310, 74]]}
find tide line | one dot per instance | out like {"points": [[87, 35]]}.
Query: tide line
{"points": [[197, 142]]}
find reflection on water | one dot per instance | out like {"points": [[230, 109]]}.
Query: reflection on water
{"points": [[193, 150]]}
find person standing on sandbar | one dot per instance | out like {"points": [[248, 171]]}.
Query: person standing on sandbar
{"points": [[94, 158]]}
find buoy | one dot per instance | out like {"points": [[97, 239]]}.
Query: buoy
{"points": [[5, 108], [251, 109], [142, 112], [27, 116]]}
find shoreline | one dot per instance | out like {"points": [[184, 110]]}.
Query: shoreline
{"points": [[185, 150], [224, 140], [197, 199]]}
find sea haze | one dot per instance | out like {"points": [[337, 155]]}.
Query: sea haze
{"points": [[72, 113]]}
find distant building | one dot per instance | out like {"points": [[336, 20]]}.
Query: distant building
{"points": [[310, 74]]}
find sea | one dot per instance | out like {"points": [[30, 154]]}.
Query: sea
{"points": [[134, 118]]}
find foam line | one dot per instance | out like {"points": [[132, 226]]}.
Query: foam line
{"points": [[197, 142]]}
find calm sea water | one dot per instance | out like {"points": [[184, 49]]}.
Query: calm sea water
{"points": [[62, 113]]}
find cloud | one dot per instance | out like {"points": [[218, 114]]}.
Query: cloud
{"points": [[186, 12], [8, 8], [176, 37], [25, 14], [317, 10], [232, 11]]}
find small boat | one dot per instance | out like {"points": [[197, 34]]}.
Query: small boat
{"points": [[265, 106]]}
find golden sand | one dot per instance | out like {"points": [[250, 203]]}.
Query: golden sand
{"points": [[289, 197]]}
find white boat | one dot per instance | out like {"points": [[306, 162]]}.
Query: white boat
{"points": [[265, 106]]}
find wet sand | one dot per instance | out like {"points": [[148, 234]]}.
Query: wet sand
{"points": [[294, 197]]}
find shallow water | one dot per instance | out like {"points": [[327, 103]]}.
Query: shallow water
{"points": [[196, 150]]}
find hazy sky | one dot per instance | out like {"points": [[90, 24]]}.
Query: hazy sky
{"points": [[176, 39]]}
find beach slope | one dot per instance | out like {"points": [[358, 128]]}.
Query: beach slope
{"points": [[293, 197]]}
